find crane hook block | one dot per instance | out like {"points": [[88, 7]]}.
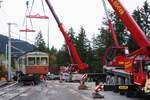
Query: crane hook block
{"points": [[37, 16], [27, 30]]}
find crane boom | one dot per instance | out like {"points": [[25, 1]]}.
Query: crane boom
{"points": [[81, 65], [129, 69], [114, 37], [136, 32]]}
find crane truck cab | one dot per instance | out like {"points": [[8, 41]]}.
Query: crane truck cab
{"points": [[140, 72], [115, 56]]}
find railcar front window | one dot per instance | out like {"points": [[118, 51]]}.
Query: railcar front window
{"points": [[38, 60], [22, 61], [43, 61], [31, 61]]}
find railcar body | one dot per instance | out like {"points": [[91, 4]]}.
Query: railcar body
{"points": [[34, 63]]}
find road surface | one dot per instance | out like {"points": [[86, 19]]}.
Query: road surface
{"points": [[53, 90]]}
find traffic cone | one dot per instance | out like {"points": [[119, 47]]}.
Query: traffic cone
{"points": [[98, 88], [82, 85]]}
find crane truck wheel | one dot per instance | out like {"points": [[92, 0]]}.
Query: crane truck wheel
{"points": [[122, 92], [112, 80], [121, 82], [108, 79], [131, 94]]}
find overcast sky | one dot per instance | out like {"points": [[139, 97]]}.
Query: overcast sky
{"points": [[72, 13]]}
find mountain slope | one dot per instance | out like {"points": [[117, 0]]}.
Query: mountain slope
{"points": [[16, 43]]}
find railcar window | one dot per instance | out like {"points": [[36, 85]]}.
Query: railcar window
{"points": [[43, 60], [38, 60], [22, 61], [31, 61]]}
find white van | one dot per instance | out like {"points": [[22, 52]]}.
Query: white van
{"points": [[76, 77], [66, 77]]}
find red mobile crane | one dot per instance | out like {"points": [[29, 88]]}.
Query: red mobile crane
{"points": [[132, 76], [114, 54], [71, 47], [80, 64]]}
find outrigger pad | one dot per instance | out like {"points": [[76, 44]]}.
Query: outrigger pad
{"points": [[60, 81], [82, 87], [97, 95]]}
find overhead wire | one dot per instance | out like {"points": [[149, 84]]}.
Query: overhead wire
{"points": [[29, 14], [3, 25], [43, 7], [31, 7], [22, 37], [24, 20]]}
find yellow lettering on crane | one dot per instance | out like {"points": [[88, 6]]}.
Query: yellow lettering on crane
{"points": [[128, 64], [121, 62], [118, 7], [123, 87]]}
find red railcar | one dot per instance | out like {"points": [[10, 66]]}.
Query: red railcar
{"points": [[34, 63]]}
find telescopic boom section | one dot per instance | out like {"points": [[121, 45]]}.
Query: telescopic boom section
{"points": [[136, 32], [114, 37], [81, 65]]}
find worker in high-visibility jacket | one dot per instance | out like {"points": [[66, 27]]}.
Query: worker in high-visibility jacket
{"points": [[147, 84]]}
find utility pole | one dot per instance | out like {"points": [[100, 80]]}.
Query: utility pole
{"points": [[48, 35], [0, 3], [26, 34], [6, 58], [9, 50]]}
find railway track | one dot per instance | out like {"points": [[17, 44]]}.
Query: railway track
{"points": [[12, 91], [3, 83]]}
